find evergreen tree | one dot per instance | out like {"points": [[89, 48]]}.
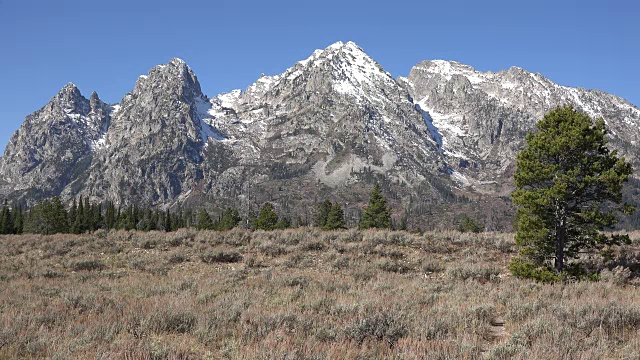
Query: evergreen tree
{"points": [[78, 223], [47, 217], [403, 222], [283, 223], [378, 214], [6, 220], [57, 217], [568, 189], [322, 213], [204, 221], [97, 219], [267, 218], [18, 219], [157, 220], [229, 219], [188, 219], [178, 220], [335, 218], [168, 224], [467, 224], [73, 218], [147, 221], [86, 215], [110, 215]]}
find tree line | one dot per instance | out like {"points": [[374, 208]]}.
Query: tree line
{"points": [[51, 216]]}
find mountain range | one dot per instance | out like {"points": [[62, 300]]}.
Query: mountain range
{"points": [[441, 141]]}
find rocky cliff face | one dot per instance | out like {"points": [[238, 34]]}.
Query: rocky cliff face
{"points": [[332, 121], [152, 152], [483, 117], [329, 126], [54, 145]]}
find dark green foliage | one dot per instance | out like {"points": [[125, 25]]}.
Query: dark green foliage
{"points": [[335, 218], [86, 215], [229, 219], [51, 217], [527, 270], [74, 226], [6, 220], [48, 217], [283, 223], [467, 224], [403, 223], [78, 225], [149, 221], [97, 221], [568, 189], [204, 221], [267, 219], [168, 223], [377, 214], [18, 219], [322, 213], [110, 215]]}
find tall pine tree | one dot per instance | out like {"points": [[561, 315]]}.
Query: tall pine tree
{"points": [[568, 189], [377, 214], [204, 221], [335, 218], [6, 220], [267, 219]]}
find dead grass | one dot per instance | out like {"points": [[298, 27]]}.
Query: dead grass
{"points": [[303, 294]]}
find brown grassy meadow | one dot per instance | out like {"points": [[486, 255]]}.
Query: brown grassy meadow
{"points": [[303, 294]]}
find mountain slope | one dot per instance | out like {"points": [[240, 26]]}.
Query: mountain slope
{"points": [[484, 116], [54, 144], [153, 148], [329, 125]]}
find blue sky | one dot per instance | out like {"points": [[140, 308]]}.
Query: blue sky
{"points": [[106, 45]]}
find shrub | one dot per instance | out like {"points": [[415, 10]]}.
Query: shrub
{"points": [[180, 322], [394, 266], [527, 270], [473, 272], [176, 258], [221, 257], [383, 326], [468, 224], [87, 265]]}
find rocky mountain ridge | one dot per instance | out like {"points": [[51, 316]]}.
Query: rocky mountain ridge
{"points": [[483, 117], [329, 126]]}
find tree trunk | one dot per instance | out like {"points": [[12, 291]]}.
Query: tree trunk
{"points": [[561, 239]]}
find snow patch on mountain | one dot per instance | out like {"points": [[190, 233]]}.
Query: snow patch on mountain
{"points": [[205, 114]]}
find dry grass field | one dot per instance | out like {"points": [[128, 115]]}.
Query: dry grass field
{"points": [[304, 294]]}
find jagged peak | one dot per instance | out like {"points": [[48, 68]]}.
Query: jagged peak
{"points": [[69, 85], [175, 64], [339, 45], [69, 89], [177, 61], [69, 95], [446, 67], [350, 66], [176, 68]]}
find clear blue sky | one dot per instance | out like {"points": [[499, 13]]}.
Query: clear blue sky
{"points": [[106, 45]]}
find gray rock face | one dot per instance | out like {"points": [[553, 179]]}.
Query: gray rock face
{"points": [[483, 117], [54, 145], [153, 150], [333, 120]]}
